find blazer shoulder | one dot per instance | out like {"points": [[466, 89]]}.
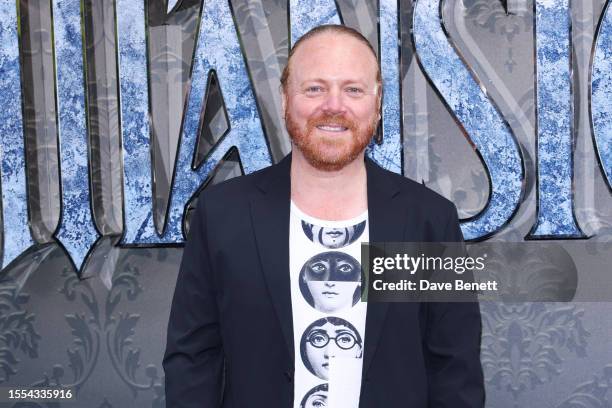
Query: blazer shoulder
{"points": [[230, 198], [433, 217], [235, 187], [426, 198]]}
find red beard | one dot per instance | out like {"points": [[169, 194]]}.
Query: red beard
{"points": [[329, 152]]}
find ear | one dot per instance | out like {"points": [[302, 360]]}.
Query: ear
{"points": [[380, 99], [283, 102]]}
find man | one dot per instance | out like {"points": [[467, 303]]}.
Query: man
{"points": [[238, 315]]}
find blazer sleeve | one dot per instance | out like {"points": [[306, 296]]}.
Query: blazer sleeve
{"points": [[194, 359], [452, 345]]}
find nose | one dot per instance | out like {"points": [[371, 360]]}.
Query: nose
{"points": [[334, 103], [331, 349], [329, 284]]}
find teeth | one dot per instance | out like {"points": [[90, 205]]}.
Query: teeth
{"points": [[331, 128]]}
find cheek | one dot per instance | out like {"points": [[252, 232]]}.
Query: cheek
{"points": [[366, 112], [314, 354], [314, 287], [302, 108]]}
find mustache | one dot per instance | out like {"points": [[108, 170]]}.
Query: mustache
{"points": [[327, 119]]}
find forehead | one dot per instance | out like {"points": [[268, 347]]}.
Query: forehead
{"points": [[333, 56], [331, 328], [330, 257]]}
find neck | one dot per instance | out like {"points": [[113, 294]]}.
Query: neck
{"points": [[329, 195]]}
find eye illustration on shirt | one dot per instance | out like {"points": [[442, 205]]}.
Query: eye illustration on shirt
{"points": [[345, 340], [330, 281], [344, 268], [316, 397], [319, 401], [318, 338], [319, 268]]}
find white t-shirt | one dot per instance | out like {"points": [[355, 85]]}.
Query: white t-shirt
{"points": [[328, 314]]}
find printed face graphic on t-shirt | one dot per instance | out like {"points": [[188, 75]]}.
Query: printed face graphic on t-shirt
{"points": [[330, 281], [315, 398], [333, 238], [329, 338]]}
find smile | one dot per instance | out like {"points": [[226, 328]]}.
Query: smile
{"points": [[332, 128], [330, 293]]}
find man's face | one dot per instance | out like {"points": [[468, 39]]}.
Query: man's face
{"points": [[331, 100]]}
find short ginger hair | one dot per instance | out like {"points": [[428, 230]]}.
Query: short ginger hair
{"points": [[335, 29]]}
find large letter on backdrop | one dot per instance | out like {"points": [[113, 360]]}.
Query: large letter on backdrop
{"points": [[76, 231], [217, 48], [135, 132], [601, 97], [482, 122], [555, 117], [16, 236]]}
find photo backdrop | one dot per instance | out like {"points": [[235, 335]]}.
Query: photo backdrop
{"points": [[117, 114]]}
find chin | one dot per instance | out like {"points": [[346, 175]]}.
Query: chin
{"points": [[330, 162], [327, 307], [333, 306], [332, 245]]}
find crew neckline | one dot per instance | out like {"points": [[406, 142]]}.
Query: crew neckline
{"points": [[328, 223]]}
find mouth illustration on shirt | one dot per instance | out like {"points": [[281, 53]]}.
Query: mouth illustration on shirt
{"points": [[334, 234]]}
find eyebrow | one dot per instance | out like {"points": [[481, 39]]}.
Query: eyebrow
{"points": [[348, 81], [346, 330]]}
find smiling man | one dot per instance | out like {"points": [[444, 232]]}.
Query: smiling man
{"points": [[241, 326]]}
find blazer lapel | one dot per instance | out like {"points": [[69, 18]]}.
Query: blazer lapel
{"points": [[387, 221], [270, 207]]}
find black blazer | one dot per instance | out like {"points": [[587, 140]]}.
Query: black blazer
{"points": [[230, 334]]}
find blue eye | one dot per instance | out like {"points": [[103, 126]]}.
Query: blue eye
{"points": [[354, 90], [314, 89]]}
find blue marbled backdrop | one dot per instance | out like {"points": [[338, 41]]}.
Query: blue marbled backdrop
{"points": [[481, 121], [76, 231], [601, 97], [554, 121], [16, 237]]}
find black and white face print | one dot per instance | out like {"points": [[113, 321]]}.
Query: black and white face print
{"points": [[316, 397], [333, 238], [331, 281], [328, 338]]}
